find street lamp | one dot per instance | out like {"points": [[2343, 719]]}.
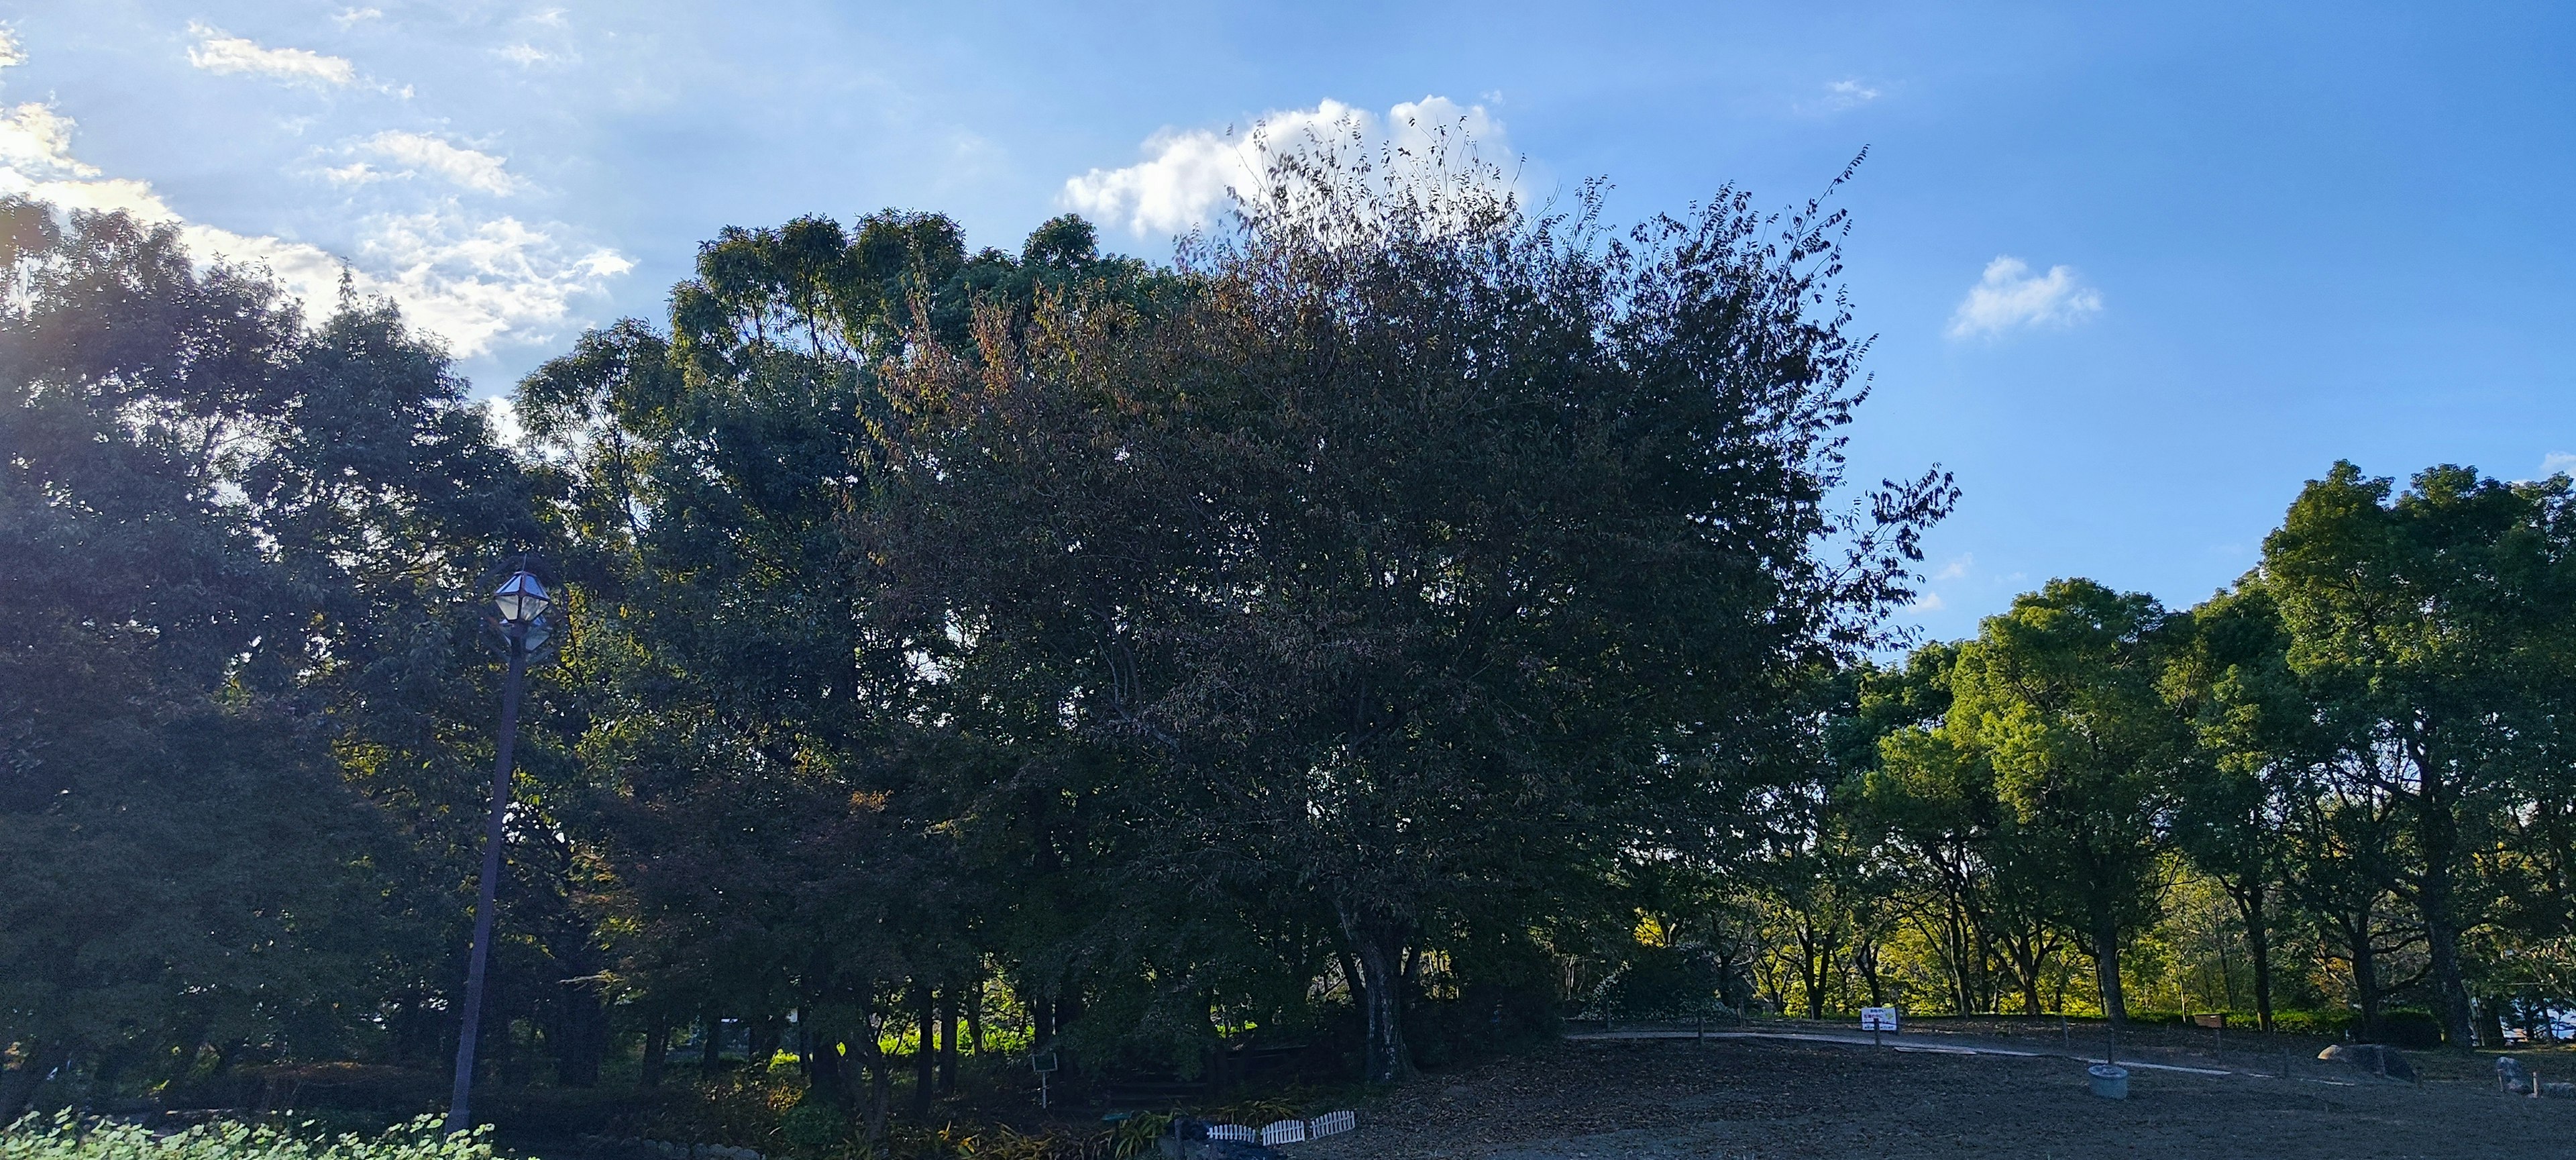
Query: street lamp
{"points": [[523, 603]]}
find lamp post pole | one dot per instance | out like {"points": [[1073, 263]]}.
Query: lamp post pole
{"points": [[520, 608]]}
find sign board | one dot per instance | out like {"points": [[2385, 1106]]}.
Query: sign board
{"points": [[1042, 1063], [1878, 1019]]}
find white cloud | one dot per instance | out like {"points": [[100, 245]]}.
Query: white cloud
{"points": [[1956, 567], [524, 55], [348, 16], [217, 52], [1928, 602], [2558, 461], [2009, 296], [1842, 95], [475, 282], [10, 53], [1183, 182], [419, 152]]}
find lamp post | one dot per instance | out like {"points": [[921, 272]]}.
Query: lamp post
{"points": [[523, 602]]}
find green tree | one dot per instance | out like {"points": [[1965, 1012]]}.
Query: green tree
{"points": [[1423, 562], [2060, 699], [2422, 628], [2256, 733], [204, 503]]}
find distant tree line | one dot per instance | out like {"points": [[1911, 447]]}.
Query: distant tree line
{"points": [[1400, 621], [2358, 750]]}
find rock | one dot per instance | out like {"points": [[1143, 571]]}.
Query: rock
{"points": [[2376, 1058], [2510, 1076]]}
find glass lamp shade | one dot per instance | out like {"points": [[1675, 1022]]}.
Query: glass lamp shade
{"points": [[535, 636], [521, 598]]}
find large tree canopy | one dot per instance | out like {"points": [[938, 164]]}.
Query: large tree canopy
{"points": [[1417, 565]]}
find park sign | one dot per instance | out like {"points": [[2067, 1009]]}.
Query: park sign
{"points": [[1878, 1019]]}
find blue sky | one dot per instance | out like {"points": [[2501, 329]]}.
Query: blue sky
{"points": [[2135, 274]]}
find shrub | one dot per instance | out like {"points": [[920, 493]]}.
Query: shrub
{"points": [[1662, 983], [68, 1137], [813, 1126], [2407, 1027], [2327, 1023]]}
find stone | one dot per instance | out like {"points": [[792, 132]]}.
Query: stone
{"points": [[2510, 1076], [2375, 1058]]}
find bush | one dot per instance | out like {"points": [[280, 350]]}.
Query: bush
{"points": [[1662, 983], [2407, 1027], [813, 1126], [67, 1137], [2331, 1024]]}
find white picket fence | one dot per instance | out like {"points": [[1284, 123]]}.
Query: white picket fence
{"points": [[1287, 1131]]}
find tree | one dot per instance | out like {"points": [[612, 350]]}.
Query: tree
{"points": [[2060, 698], [1423, 561], [198, 492], [2256, 735], [2420, 627]]}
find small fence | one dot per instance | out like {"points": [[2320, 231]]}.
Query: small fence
{"points": [[1286, 1131]]}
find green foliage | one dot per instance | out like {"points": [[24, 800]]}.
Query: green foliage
{"points": [[68, 1137], [813, 1126]]}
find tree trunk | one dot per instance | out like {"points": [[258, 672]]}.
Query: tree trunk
{"points": [[1378, 944], [826, 1071], [711, 1049], [925, 1054], [975, 1018], [657, 1045], [1351, 979], [2258, 940], [764, 1036], [880, 1070], [2442, 939], [2106, 969], [948, 1038], [1865, 959], [2365, 976]]}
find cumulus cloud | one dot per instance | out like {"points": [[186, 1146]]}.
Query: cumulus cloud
{"points": [[219, 52], [1184, 181], [2558, 461], [475, 282], [10, 53], [2010, 296], [416, 153]]}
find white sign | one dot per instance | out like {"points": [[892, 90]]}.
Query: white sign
{"points": [[1878, 1018]]}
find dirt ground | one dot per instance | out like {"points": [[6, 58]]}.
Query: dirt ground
{"points": [[1756, 1098]]}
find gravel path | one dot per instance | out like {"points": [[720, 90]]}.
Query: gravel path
{"points": [[1823, 1096]]}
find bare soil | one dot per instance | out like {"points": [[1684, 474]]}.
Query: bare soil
{"points": [[1757, 1098]]}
